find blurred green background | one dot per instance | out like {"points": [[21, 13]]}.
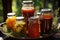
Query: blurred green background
{"points": [[38, 4]]}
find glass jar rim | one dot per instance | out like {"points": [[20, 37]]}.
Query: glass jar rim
{"points": [[20, 17]]}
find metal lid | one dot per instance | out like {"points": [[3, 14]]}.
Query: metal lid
{"points": [[11, 14], [46, 10], [21, 17], [34, 17], [27, 2]]}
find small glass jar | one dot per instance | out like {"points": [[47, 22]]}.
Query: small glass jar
{"points": [[33, 28], [46, 22], [20, 26], [11, 20]]}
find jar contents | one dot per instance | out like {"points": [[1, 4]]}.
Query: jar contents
{"points": [[46, 24], [10, 22], [28, 11]]}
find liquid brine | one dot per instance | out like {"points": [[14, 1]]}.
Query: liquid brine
{"points": [[46, 23]]}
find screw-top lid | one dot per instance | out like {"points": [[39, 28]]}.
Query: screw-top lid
{"points": [[46, 10], [11, 14], [27, 2], [18, 18]]}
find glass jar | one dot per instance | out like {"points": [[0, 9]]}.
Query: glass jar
{"points": [[46, 22], [20, 25], [28, 8], [11, 20], [33, 28]]}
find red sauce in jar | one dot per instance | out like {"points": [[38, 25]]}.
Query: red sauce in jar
{"points": [[28, 11]]}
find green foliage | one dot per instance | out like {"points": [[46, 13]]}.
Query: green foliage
{"points": [[1, 8], [50, 5], [19, 6], [1, 19], [1, 12]]}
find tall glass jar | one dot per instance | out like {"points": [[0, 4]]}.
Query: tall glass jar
{"points": [[27, 8], [46, 22], [33, 28]]}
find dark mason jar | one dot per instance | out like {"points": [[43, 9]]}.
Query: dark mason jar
{"points": [[46, 21]]}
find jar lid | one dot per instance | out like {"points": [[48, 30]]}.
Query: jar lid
{"points": [[34, 17], [45, 9], [21, 17], [11, 14], [27, 2]]}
